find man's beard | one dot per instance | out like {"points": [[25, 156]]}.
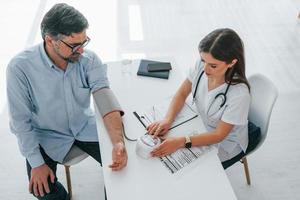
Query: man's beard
{"points": [[73, 57]]}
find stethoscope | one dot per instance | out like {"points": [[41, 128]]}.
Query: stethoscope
{"points": [[222, 96]]}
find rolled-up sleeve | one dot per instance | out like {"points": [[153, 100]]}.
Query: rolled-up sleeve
{"points": [[20, 112], [97, 74], [237, 110]]}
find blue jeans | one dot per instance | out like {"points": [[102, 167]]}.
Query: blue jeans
{"points": [[57, 190]]}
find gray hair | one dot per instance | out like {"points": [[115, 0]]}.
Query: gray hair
{"points": [[63, 19]]}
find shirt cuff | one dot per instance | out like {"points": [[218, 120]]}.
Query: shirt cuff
{"points": [[36, 160]]}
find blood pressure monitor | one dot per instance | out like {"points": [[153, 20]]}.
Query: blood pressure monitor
{"points": [[145, 144]]}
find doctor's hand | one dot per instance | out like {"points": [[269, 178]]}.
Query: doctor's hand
{"points": [[159, 128], [119, 157], [168, 146]]}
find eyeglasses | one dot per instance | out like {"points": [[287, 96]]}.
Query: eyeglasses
{"points": [[77, 47]]}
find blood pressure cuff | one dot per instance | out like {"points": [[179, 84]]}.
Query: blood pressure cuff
{"points": [[254, 136], [106, 102]]}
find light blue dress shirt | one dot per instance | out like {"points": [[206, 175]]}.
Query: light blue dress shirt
{"points": [[51, 107]]}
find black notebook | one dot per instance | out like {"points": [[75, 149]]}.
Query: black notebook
{"points": [[158, 67], [143, 70]]}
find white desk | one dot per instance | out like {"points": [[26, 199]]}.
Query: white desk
{"points": [[149, 179]]}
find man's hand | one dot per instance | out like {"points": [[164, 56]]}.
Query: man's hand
{"points": [[39, 180], [119, 157]]}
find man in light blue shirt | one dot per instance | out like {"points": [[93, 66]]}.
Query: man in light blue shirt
{"points": [[49, 87]]}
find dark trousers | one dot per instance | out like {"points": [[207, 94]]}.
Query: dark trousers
{"points": [[57, 191], [233, 160], [254, 137]]}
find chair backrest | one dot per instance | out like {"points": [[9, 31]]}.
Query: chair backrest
{"points": [[74, 156], [263, 97]]}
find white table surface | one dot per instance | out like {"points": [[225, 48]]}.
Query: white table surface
{"points": [[149, 179]]}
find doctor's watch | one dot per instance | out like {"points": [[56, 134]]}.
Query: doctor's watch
{"points": [[188, 142]]}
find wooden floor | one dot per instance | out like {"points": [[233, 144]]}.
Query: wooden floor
{"points": [[172, 29]]}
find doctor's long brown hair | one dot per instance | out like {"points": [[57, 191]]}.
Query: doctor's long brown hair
{"points": [[225, 45]]}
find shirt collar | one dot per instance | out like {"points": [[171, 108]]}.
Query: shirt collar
{"points": [[45, 57]]}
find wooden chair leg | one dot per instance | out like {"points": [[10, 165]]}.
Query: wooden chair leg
{"points": [[68, 177], [245, 162]]}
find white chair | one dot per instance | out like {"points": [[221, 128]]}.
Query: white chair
{"points": [[263, 97], [74, 156]]}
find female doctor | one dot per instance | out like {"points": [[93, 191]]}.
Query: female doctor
{"points": [[221, 94]]}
